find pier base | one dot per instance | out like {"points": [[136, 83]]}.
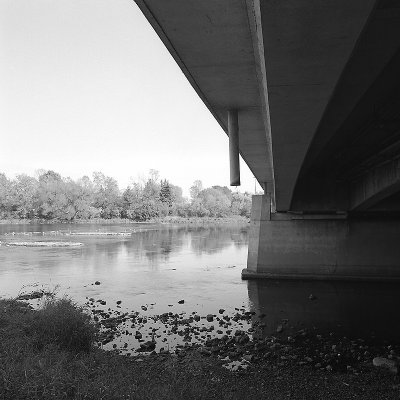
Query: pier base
{"points": [[323, 247]]}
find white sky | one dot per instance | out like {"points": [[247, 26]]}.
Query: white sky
{"points": [[87, 85]]}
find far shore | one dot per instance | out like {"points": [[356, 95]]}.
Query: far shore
{"points": [[162, 220]]}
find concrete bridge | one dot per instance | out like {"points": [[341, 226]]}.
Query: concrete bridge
{"points": [[309, 92]]}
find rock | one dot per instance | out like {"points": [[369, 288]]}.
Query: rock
{"points": [[396, 387], [385, 363], [248, 357], [197, 318], [181, 301], [204, 351], [119, 302], [138, 335], [144, 308], [97, 283], [279, 329], [210, 318], [312, 297], [221, 311], [147, 346], [244, 339]]}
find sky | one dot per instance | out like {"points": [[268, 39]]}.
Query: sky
{"points": [[87, 85]]}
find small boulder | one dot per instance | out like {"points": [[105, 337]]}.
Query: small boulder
{"points": [[204, 351], [385, 363], [147, 346], [138, 335], [97, 283], [210, 318], [181, 301]]}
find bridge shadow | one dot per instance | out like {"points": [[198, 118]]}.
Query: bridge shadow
{"points": [[353, 309]]}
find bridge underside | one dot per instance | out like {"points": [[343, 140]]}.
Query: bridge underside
{"points": [[317, 90]]}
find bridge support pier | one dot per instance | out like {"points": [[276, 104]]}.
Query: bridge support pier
{"points": [[323, 247]]}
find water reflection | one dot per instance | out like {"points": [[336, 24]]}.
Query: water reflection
{"points": [[353, 309], [162, 263], [211, 239]]}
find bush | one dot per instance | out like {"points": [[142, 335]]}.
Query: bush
{"points": [[63, 323]]}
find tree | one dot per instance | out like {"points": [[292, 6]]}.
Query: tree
{"points": [[52, 200], [6, 196], [241, 204], [166, 199], [223, 189], [82, 195], [51, 196], [25, 196], [154, 175], [195, 189], [216, 202], [131, 201], [106, 195]]}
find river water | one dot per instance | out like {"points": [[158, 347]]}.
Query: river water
{"points": [[146, 264], [152, 268]]}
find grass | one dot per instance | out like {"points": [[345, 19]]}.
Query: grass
{"points": [[40, 349]]}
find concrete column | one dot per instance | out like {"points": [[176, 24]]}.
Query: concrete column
{"points": [[260, 211], [288, 246], [233, 131]]}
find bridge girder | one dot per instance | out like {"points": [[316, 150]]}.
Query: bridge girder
{"points": [[311, 83]]}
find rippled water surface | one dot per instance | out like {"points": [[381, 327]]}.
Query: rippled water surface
{"points": [[146, 264]]}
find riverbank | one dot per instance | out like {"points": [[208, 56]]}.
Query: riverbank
{"points": [[164, 220], [52, 353]]}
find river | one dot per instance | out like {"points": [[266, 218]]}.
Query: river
{"points": [[152, 268], [155, 264]]}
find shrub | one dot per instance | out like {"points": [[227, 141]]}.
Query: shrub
{"points": [[63, 323]]}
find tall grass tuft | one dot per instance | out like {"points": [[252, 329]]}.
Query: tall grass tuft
{"points": [[63, 323]]}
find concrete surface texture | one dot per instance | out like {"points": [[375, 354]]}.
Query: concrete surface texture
{"points": [[315, 84], [322, 247]]}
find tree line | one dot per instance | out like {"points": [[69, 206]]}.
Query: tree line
{"points": [[53, 197]]}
